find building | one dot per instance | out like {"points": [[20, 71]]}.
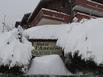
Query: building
{"points": [[61, 11], [89, 7], [48, 12]]}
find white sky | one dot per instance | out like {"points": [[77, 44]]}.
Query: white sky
{"points": [[15, 9]]}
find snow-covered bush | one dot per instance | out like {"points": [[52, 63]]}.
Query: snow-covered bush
{"points": [[15, 50], [86, 37], [75, 63]]}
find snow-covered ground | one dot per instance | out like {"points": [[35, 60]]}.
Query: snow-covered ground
{"points": [[86, 37], [48, 65], [12, 50]]}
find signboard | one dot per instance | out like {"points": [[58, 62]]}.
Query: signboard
{"points": [[45, 48]]}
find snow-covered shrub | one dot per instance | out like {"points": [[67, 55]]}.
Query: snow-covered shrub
{"points": [[15, 51], [86, 37], [13, 70], [75, 63]]}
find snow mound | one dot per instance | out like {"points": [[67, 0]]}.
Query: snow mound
{"points": [[12, 51], [48, 65], [86, 37]]}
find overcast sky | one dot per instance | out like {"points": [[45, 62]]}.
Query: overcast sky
{"points": [[14, 10]]}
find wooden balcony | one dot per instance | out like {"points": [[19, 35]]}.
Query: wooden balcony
{"points": [[89, 6], [81, 16], [50, 15]]}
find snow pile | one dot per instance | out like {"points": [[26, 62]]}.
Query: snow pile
{"points": [[12, 50], [48, 65], [86, 37], [45, 31]]}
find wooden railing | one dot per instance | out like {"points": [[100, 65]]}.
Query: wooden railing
{"points": [[51, 14], [56, 15], [81, 16]]}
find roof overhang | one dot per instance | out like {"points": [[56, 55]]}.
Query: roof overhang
{"points": [[43, 40]]}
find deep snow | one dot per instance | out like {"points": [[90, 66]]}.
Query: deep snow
{"points": [[86, 37], [48, 65], [12, 51]]}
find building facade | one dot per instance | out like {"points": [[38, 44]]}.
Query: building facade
{"points": [[62, 11], [45, 47]]}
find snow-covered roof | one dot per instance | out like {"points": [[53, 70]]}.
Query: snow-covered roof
{"points": [[45, 31], [48, 65]]}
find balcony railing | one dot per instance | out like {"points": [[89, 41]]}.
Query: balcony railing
{"points": [[94, 6], [81, 16]]}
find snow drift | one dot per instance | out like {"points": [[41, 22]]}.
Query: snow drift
{"points": [[86, 37], [48, 65], [12, 51]]}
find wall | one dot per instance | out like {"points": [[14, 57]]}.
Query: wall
{"points": [[45, 47]]}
